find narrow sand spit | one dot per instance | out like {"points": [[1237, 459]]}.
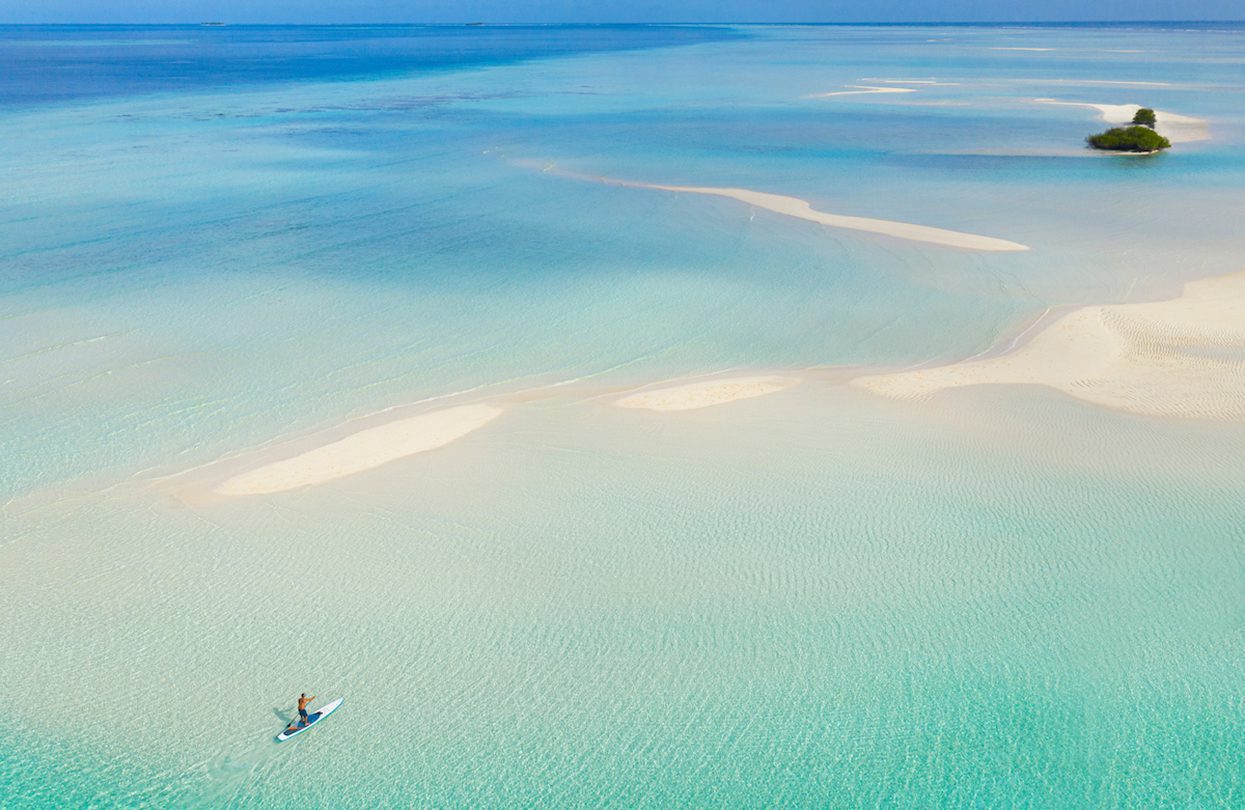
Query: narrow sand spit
{"points": [[691, 396], [364, 450], [1173, 126], [1184, 357], [795, 207], [801, 209], [862, 90]]}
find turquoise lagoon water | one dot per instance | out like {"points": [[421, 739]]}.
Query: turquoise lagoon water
{"points": [[214, 238]]}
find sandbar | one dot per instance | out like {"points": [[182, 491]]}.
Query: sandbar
{"points": [[1184, 357], [360, 451], [706, 393], [861, 90], [801, 209], [1173, 126]]}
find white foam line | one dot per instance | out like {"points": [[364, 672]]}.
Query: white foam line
{"points": [[1011, 344]]}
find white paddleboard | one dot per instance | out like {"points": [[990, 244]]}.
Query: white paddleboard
{"points": [[313, 718]]}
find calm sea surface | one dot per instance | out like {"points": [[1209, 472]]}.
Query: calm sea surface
{"points": [[213, 237]]}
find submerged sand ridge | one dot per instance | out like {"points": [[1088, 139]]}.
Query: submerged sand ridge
{"points": [[361, 451], [371, 447], [1184, 357], [706, 393], [379, 444]]}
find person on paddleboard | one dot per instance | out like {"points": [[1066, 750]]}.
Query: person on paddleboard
{"points": [[303, 700]]}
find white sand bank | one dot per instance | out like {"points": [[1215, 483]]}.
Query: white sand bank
{"points": [[1173, 126], [795, 207], [365, 450], [801, 209], [861, 90], [1184, 357], [704, 394]]}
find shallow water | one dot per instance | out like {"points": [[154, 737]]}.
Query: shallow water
{"points": [[996, 596]]}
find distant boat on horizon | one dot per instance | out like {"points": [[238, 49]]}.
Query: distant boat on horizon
{"points": [[211, 22], [475, 23]]}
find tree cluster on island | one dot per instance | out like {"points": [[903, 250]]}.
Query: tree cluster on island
{"points": [[1140, 137]]}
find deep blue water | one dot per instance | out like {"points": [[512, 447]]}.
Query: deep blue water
{"points": [[50, 63]]}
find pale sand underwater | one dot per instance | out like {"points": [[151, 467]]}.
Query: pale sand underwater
{"points": [[319, 461], [1183, 358], [705, 394]]}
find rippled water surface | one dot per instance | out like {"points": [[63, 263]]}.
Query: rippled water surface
{"points": [[214, 238]]}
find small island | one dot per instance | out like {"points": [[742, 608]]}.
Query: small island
{"points": [[1140, 138]]}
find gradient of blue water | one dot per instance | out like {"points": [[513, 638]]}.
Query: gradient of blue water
{"points": [[828, 599], [228, 198], [49, 63]]}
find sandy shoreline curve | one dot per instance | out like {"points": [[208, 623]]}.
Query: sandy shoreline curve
{"points": [[706, 393], [1173, 126], [1184, 357], [361, 451]]}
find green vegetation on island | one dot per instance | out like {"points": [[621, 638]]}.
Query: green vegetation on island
{"points": [[1140, 137], [1130, 139]]}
